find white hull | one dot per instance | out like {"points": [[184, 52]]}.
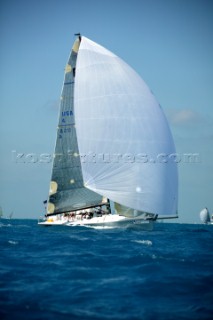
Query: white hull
{"points": [[109, 220], [209, 223]]}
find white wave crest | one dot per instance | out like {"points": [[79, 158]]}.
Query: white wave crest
{"points": [[5, 225], [146, 242], [12, 242]]}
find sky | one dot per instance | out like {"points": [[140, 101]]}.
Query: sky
{"points": [[169, 43]]}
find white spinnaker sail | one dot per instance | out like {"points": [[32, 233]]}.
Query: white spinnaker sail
{"points": [[204, 215], [123, 136]]}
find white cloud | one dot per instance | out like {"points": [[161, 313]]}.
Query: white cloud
{"points": [[190, 124], [52, 105], [181, 117]]}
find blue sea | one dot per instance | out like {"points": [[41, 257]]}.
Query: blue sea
{"points": [[118, 274]]}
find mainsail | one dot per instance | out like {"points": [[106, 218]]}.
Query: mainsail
{"points": [[67, 190], [127, 150]]}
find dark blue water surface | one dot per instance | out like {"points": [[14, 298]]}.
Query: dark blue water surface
{"points": [[83, 273]]}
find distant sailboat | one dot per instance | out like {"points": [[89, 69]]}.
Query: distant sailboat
{"points": [[205, 216], [111, 136], [1, 213], [10, 215]]}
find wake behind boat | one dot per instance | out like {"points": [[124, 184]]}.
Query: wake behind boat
{"points": [[110, 136]]}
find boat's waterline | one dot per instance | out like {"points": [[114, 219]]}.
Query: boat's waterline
{"points": [[109, 220]]}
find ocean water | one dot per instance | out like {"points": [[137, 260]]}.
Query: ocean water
{"points": [[83, 273]]}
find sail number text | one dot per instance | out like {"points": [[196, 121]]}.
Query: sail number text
{"points": [[67, 113]]}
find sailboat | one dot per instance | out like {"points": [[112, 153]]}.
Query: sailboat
{"points": [[10, 215], [114, 155], [205, 216], [1, 213]]}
